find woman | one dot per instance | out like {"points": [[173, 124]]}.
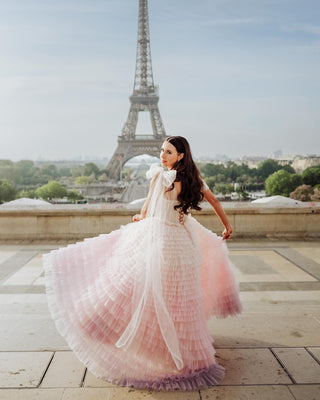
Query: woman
{"points": [[133, 304]]}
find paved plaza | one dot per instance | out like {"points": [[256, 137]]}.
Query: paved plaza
{"points": [[270, 352]]}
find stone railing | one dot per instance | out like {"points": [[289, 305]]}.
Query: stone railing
{"points": [[76, 224]]}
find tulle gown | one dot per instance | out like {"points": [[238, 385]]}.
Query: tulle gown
{"points": [[133, 304]]}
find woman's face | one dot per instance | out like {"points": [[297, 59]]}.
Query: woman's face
{"points": [[169, 155]]}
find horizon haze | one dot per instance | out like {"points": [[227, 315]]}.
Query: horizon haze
{"points": [[239, 78]]}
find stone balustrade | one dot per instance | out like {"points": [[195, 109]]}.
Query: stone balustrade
{"points": [[76, 224]]}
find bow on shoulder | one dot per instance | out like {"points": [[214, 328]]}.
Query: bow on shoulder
{"points": [[168, 177]]}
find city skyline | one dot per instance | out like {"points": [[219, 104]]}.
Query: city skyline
{"points": [[236, 77]]}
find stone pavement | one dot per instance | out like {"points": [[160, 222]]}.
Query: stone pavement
{"points": [[270, 352]]}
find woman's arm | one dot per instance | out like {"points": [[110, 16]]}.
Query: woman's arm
{"points": [[215, 204], [144, 209]]}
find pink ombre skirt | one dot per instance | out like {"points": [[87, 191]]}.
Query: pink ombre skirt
{"points": [[90, 288]]}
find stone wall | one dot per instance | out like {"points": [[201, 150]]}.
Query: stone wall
{"points": [[76, 224]]}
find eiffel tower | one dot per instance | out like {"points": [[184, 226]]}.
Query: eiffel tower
{"points": [[145, 97]]}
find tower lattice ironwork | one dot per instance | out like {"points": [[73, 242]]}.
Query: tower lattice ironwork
{"points": [[145, 97]]}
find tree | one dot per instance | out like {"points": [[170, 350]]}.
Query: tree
{"points": [[89, 169], [73, 196], [103, 177], [267, 167], [64, 171], [242, 193], [302, 193], [25, 171], [311, 176], [223, 189], [31, 194], [282, 183], [210, 182], [288, 168], [51, 190], [7, 191], [82, 180], [212, 169], [50, 170]]}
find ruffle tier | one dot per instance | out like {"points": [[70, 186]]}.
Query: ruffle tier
{"points": [[90, 288]]}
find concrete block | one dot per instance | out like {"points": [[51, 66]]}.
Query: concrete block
{"points": [[92, 381], [31, 394], [30, 333], [262, 392], [65, 370], [305, 392], [124, 394], [23, 369], [251, 367], [299, 364], [90, 224], [270, 223], [109, 224], [267, 266], [313, 222], [17, 226], [265, 330], [315, 351], [53, 225]]}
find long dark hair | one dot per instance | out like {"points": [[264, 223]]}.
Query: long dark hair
{"points": [[189, 176]]}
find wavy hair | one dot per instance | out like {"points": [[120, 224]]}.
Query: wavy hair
{"points": [[189, 176]]}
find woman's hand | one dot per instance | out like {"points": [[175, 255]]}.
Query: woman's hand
{"points": [[227, 233], [137, 217]]}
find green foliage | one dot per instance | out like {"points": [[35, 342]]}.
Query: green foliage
{"points": [[311, 176], [51, 190], [267, 167], [73, 196], [82, 180], [212, 169], [50, 171], [302, 193], [242, 194], [282, 183], [7, 191], [223, 189], [288, 168], [90, 169], [31, 194], [210, 182]]}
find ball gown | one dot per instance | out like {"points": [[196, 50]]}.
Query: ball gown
{"points": [[133, 304]]}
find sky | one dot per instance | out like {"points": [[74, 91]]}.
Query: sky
{"points": [[235, 77]]}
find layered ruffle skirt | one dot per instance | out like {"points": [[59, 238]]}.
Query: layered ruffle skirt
{"points": [[91, 288]]}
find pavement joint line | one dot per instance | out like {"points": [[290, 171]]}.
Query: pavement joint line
{"points": [[49, 363], [249, 248], [83, 377], [291, 260], [283, 366], [292, 394], [312, 355], [278, 286]]}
